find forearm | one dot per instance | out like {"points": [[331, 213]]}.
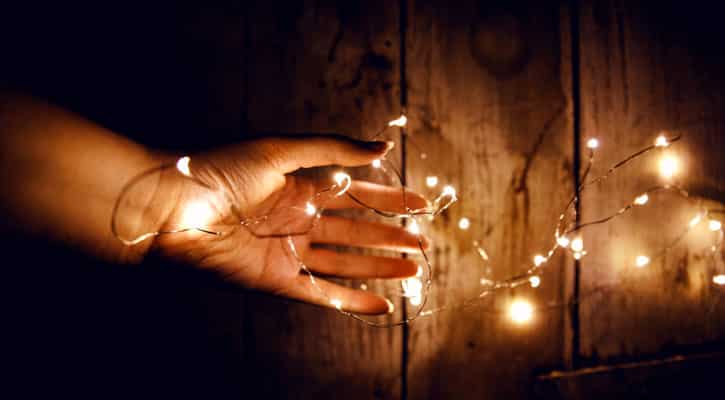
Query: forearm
{"points": [[62, 174]]}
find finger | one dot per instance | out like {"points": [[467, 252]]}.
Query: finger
{"points": [[293, 153], [333, 295], [358, 266], [380, 197], [361, 233]]}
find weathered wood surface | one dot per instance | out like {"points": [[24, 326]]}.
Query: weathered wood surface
{"points": [[327, 68], [646, 69], [488, 102]]}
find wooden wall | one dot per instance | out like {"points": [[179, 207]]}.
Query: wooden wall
{"points": [[501, 96]]}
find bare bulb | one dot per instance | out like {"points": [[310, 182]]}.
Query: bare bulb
{"points": [[539, 259], [521, 311], [534, 281], [183, 166], [400, 121], [592, 143], [577, 245], [449, 190], [337, 303], [376, 163], [641, 200], [714, 225], [696, 220], [197, 214], [310, 209], [431, 181], [662, 141], [414, 228], [641, 261], [464, 223], [669, 165], [562, 241], [719, 279]]}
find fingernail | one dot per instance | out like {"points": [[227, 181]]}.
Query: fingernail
{"points": [[391, 307]]}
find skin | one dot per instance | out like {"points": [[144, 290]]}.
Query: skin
{"points": [[63, 174]]}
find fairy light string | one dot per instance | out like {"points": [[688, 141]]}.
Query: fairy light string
{"points": [[417, 288]]}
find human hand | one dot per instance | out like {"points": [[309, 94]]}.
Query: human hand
{"points": [[254, 177]]}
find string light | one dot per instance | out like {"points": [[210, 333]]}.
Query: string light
{"points": [[183, 165], [197, 215], [431, 181], [521, 311], [641, 261], [641, 200], [464, 223], [669, 165]]}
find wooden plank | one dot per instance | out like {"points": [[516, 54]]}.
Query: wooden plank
{"points": [[488, 89], [327, 68], [644, 70]]}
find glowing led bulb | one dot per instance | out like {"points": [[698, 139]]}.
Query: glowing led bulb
{"points": [[343, 180], [714, 225], [376, 164], [641, 200], [431, 181], [592, 143], [719, 279], [577, 245], [196, 214], [400, 121], [464, 223], [412, 288], [449, 190], [414, 228], [535, 281], [337, 303], [310, 209], [562, 241], [696, 220], [183, 166], [539, 259], [669, 165], [662, 141], [521, 311], [641, 261]]}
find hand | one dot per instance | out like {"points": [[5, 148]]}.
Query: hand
{"points": [[254, 177]]}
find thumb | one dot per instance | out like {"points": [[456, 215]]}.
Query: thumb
{"points": [[293, 153]]}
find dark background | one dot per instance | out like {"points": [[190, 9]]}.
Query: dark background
{"points": [[177, 77]]}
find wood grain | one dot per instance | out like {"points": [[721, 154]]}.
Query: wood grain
{"points": [[326, 68], [646, 68], [488, 89]]}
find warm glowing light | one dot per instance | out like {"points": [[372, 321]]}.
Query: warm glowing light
{"points": [[562, 241], [414, 228], [337, 303], [521, 311], [400, 121], [197, 214], [641, 261], [310, 209], [695, 221], [412, 288], [449, 190], [431, 181], [464, 223], [592, 143], [377, 164], [662, 141], [535, 281], [183, 166], [578, 255], [669, 165], [419, 272], [343, 180], [577, 245], [714, 225], [719, 279], [641, 200], [363, 286], [539, 259]]}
